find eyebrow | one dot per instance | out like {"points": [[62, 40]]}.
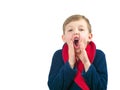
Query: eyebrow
{"points": [[81, 26]]}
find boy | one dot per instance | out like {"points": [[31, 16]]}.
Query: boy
{"points": [[78, 65]]}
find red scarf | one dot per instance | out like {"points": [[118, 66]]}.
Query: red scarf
{"points": [[79, 80]]}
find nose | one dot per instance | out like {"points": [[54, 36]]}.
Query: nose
{"points": [[76, 31]]}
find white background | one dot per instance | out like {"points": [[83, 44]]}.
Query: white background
{"points": [[30, 32]]}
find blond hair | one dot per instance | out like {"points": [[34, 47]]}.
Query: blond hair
{"points": [[76, 18]]}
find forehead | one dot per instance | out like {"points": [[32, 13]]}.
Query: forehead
{"points": [[77, 23]]}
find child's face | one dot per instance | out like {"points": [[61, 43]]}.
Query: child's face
{"points": [[77, 30]]}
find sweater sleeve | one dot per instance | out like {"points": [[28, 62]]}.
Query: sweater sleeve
{"points": [[97, 75], [61, 75]]}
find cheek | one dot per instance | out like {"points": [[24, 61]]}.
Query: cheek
{"points": [[84, 38], [69, 37]]}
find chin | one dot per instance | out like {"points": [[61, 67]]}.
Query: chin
{"points": [[77, 50]]}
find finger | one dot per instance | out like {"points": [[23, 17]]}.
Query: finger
{"points": [[82, 46]]}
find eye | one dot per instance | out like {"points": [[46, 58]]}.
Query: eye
{"points": [[81, 29], [70, 30]]}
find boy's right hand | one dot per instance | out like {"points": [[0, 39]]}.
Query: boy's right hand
{"points": [[71, 53]]}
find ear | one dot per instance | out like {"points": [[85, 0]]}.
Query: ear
{"points": [[63, 38], [90, 36]]}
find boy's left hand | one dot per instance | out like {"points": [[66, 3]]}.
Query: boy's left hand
{"points": [[81, 54]]}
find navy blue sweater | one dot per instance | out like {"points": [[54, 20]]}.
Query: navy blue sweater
{"points": [[61, 75]]}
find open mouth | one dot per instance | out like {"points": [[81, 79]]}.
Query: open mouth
{"points": [[76, 42]]}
